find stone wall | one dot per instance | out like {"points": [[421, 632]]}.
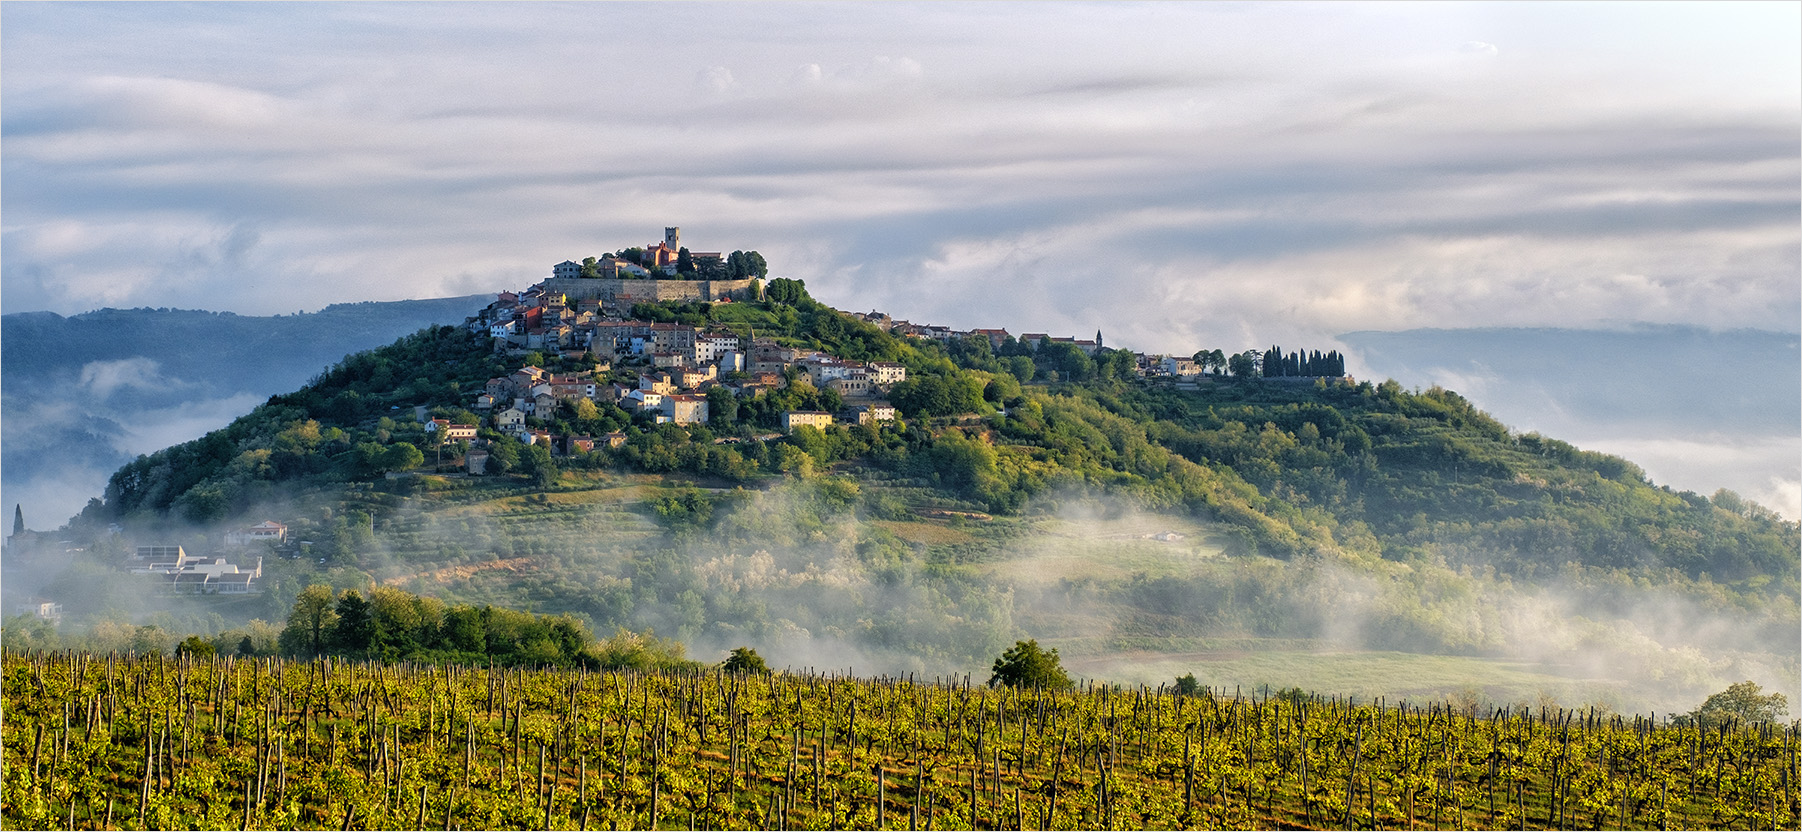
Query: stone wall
{"points": [[621, 294]]}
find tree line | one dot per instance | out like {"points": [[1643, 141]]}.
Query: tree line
{"points": [[392, 624], [1277, 365]]}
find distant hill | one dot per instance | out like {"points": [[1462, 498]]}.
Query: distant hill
{"points": [[1643, 380], [86, 393]]}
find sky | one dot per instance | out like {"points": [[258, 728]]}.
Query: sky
{"points": [[1178, 176]]}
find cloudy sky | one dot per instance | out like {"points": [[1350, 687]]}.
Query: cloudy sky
{"points": [[1177, 175]]}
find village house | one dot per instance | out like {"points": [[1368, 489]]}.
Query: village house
{"points": [[476, 462], [41, 608], [267, 531], [642, 399], [188, 574], [710, 346], [855, 385], [510, 420], [615, 439], [885, 373], [814, 418], [996, 337], [690, 379], [1178, 366], [572, 386], [869, 414], [684, 408], [448, 432]]}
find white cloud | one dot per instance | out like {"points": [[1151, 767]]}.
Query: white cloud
{"points": [[1477, 47], [1177, 172], [102, 378], [716, 81]]}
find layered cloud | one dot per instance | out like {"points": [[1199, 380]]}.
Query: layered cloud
{"points": [[1173, 174]]}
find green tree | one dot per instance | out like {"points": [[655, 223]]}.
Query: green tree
{"points": [[356, 630], [1187, 685], [722, 406], [1741, 701], [1024, 665], [786, 291], [310, 621], [535, 461], [194, 646], [744, 660], [402, 456], [1243, 365]]}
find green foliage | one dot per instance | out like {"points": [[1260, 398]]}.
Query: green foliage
{"points": [[1025, 665], [194, 646], [1742, 701], [1187, 685], [651, 750], [786, 291], [392, 624], [744, 660], [643, 652]]}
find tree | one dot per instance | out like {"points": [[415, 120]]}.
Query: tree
{"points": [[309, 622], [194, 646], [590, 267], [535, 461], [1743, 702], [685, 262], [1186, 684], [402, 456], [356, 629], [744, 660], [1244, 365], [1024, 665], [787, 291], [722, 406]]}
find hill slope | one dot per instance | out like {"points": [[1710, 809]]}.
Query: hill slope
{"points": [[1311, 517]]}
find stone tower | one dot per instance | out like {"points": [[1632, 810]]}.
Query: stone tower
{"points": [[672, 238], [1097, 340], [18, 519]]}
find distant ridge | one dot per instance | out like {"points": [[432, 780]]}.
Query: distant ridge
{"points": [[84, 392]]}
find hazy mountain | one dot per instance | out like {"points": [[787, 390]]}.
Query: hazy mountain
{"points": [[86, 393], [1697, 408]]}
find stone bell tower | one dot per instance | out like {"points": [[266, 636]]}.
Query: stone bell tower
{"points": [[672, 238]]}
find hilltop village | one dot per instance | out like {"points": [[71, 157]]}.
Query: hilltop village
{"points": [[650, 336], [593, 315]]}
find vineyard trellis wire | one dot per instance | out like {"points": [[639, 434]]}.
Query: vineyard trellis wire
{"points": [[186, 742]]}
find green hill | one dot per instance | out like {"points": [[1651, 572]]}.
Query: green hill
{"points": [[1050, 494]]}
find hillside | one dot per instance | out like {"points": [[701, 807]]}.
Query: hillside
{"points": [[1050, 495], [86, 393]]}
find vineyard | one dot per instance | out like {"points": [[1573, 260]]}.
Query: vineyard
{"points": [[96, 742]]}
